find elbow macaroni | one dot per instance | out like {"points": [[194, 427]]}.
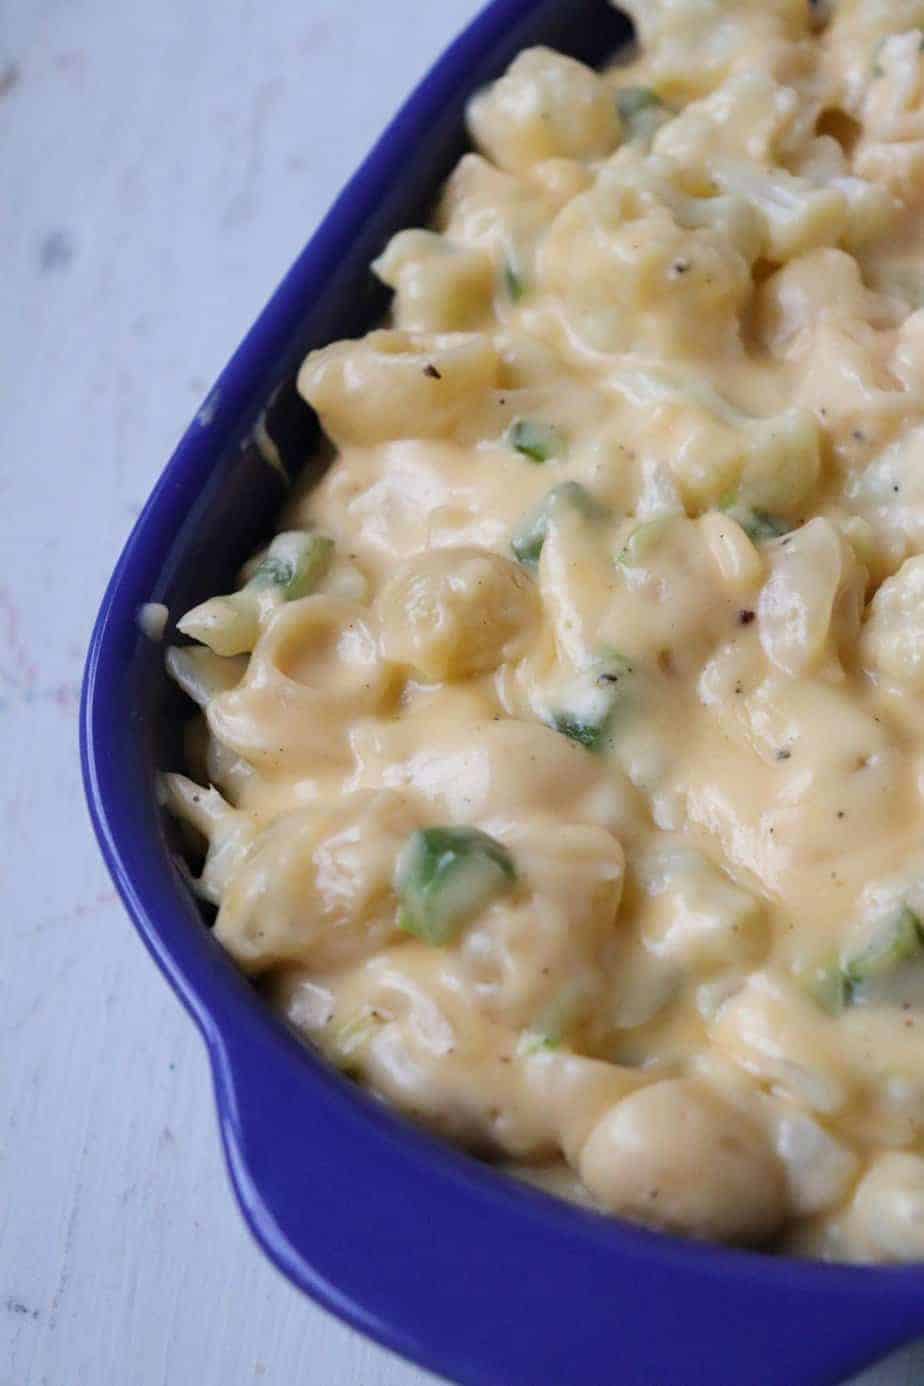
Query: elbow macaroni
{"points": [[564, 754]]}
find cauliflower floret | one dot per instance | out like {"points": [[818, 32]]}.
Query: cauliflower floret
{"points": [[637, 263], [819, 285], [546, 106], [691, 47], [870, 206], [854, 37], [749, 117], [795, 215], [844, 374], [891, 148], [817, 313], [897, 168], [486, 209], [438, 287], [893, 106]]}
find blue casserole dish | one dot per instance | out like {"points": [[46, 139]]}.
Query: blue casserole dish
{"points": [[422, 1248]]}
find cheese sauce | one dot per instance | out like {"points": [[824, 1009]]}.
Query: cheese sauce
{"points": [[565, 750]]}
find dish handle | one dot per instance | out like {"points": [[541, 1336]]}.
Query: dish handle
{"points": [[446, 1262]]}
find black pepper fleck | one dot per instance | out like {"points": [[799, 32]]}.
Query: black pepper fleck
{"points": [[745, 617], [431, 371]]}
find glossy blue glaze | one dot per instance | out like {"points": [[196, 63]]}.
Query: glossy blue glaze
{"points": [[485, 1281]]}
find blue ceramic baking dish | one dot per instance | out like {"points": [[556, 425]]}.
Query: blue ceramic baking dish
{"points": [[484, 1281]]}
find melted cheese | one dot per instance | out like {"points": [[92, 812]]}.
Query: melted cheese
{"points": [[629, 535]]}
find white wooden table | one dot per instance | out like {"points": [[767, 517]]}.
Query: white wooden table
{"points": [[161, 166]]}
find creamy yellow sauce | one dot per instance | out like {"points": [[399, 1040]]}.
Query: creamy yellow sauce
{"points": [[620, 562]]}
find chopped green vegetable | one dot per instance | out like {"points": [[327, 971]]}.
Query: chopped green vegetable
{"points": [[533, 1042], [295, 563], [641, 112], [550, 1027], [836, 984], [527, 540], [630, 101], [876, 68], [605, 687], [828, 984], [273, 572], [587, 733], [896, 942], [536, 440], [642, 540], [348, 1041], [292, 566], [758, 525], [444, 876], [513, 281]]}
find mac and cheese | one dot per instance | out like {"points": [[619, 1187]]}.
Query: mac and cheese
{"points": [[565, 750]]}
